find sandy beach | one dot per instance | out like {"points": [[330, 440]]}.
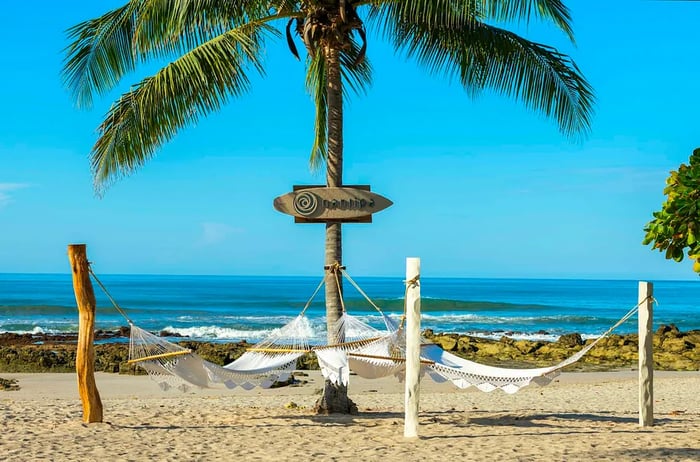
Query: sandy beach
{"points": [[581, 416]]}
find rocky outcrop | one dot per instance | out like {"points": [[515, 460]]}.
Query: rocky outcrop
{"points": [[56, 353], [8, 384], [673, 350]]}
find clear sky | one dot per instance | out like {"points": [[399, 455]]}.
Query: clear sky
{"points": [[481, 188]]}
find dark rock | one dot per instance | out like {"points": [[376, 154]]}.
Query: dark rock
{"points": [[464, 345], [167, 333], [527, 347], [16, 339], [447, 342], [670, 329], [571, 340], [124, 331], [8, 384]]}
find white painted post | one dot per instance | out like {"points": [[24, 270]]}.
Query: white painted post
{"points": [[646, 358], [410, 429]]}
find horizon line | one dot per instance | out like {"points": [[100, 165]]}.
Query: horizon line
{"points": [[524, 278]]}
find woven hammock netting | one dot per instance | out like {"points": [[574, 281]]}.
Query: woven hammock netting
{"points": [[355, 346]]}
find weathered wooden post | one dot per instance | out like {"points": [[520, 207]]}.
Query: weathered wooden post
{"points": [[85, 356], [412, 395], [646, 358]]}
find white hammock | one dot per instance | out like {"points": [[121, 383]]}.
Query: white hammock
{"points": [[464, 373], [386, 356], [173, 366], [369, 352], [333, 359], [274, 359]]}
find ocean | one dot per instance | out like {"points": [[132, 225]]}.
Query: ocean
{"points": [[233, 308]]}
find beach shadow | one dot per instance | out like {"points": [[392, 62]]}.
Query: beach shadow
{"points": [[332, 419], [652, 454], [147, 426], [606, 417], [545, 420], [552, 420], [556, 424], [455, 418], [361, 418]]}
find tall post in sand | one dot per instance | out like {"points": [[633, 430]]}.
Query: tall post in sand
{"points": [[85, 356], [412, 396], [646, 358]]}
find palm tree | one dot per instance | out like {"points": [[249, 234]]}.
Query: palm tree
{"points": [[216, 44]]}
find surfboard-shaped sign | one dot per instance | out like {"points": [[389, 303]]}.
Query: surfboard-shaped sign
{"points": [[319, 204]]}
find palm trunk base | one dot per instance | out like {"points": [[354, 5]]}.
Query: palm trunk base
{"points": [[335, 400]]}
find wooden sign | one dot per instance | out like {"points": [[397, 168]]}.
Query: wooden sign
{"points": [[320, 204]]}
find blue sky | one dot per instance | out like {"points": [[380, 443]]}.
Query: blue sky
{"points": [[481, 188]]}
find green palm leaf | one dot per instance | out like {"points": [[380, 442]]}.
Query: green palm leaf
{"points": [[167, 27], [100, 53], [316, 82], [357, 76], [194, 85], [454, 13], [483, 56], [452, 41], [523, 11], [104, 49]]}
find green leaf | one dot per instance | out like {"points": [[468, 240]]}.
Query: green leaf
{"points": [[151, 113], [482, 56], [691, 237], [100, 53], [678, 254], [524, 10], [316, 86]]}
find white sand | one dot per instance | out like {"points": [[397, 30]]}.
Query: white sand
{"points": [[581, 416]]}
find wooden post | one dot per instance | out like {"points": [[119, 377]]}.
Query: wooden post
{"points": [[646, 358], [412, 348], [85, 356]]}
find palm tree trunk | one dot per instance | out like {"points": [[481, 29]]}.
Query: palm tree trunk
{"points": [[334, 178], [335, 397]]}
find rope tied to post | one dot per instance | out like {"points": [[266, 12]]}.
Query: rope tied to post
{"points": [[410, 284], [413, 282], [335, 267], [109, 296]]}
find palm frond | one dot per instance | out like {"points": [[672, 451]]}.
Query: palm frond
{"points": [[283, 7], [453, 13], [483, 56], [103, 50], [100, 53], [356, 73], [386, 15], [151, 113], [173, 27], [316, 82], [524, 10]]}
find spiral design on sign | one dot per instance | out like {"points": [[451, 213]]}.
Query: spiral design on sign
{"points": [[305, 203]]}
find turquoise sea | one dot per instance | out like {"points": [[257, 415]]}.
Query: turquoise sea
{"points": [[224, 308]]}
